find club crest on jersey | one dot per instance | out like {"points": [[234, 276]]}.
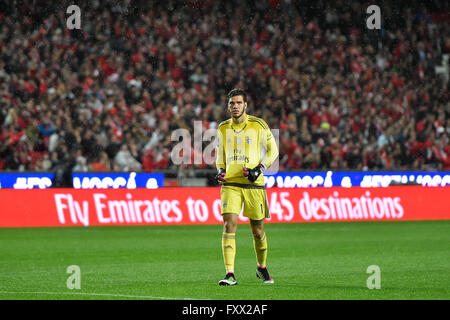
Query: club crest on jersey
{"points": [[248, 140]]}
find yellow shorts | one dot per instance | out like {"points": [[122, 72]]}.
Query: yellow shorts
{"points": [[253, 199]]}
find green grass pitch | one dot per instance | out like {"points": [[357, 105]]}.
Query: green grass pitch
{"points": [[307, 261]]}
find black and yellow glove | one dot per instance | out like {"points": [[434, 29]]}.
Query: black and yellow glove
{"points": [[253, 174], [220, 176]]}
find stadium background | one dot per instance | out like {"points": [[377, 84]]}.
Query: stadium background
{"points": [[107, 97]]}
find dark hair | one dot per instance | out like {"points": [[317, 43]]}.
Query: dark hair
{"points": [[237, 92]]}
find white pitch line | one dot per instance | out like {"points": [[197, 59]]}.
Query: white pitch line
{"points": [[97, 294]]}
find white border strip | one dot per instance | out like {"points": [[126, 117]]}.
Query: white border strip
{"points": [[97, 294]]}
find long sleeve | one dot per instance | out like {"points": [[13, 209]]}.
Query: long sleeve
{"points": [[271, 147], [220, 151]]}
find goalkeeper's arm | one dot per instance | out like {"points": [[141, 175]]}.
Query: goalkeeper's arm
{"points": [[220, 159], [270, 156], [272, 151]]}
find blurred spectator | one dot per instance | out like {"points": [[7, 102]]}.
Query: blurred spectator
{"points": [[125, 160], [101, 163]]}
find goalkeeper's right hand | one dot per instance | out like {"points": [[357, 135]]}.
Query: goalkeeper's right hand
{"points": [[220, 176]]}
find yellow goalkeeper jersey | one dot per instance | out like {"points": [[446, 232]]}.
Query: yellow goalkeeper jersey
{"points": [[246, 144]]}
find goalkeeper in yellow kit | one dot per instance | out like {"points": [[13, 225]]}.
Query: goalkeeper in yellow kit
{"points": [[245, 148]]}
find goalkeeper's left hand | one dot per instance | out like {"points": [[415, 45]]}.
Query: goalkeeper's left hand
{"points": [[253, 174]]}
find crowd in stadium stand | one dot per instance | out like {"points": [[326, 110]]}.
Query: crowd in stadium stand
{"points": [[108, 96]]}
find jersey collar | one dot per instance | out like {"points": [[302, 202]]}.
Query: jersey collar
{"points": [[238, 128]]}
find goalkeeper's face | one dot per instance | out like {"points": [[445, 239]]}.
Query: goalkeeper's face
{"points": [[237, 106]]}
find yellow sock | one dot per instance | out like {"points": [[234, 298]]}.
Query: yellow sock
{"points": [[261, 250], [229, 250]]}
